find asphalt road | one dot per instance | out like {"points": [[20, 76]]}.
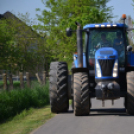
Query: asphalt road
{"points": [[107, 120]]}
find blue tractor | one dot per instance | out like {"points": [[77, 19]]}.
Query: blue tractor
{"points": [[103, 67]]}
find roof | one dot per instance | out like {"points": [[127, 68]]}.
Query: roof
{"points": [[8, 15], [103, 25]]}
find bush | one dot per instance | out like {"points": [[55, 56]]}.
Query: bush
{"points": [[13, 102]]}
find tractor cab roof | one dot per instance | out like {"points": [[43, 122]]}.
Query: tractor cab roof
{"points": [[104, 25]]}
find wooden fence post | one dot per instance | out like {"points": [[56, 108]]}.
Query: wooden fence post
{"points": [[38, 78], [44, 77], [5, 81], [21, 80], [28, 79], [10, 80]]}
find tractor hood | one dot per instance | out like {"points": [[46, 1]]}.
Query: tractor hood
{"points": [[106, 53]]}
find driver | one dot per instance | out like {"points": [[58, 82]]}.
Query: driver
{"points": [[104, 42]]}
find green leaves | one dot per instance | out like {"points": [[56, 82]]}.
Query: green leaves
{"points": [[61, 14]]}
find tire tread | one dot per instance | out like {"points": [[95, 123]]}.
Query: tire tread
{"points": [[58, 87], [81, 94]]}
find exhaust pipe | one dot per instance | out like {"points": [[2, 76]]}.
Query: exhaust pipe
{"points": [[79, 45]]}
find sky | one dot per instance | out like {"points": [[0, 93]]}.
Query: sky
{"points": [[23, 6]]}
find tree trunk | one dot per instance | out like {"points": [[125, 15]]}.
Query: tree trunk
{"points": [[10, 81], [5, 81], [44, 77], [28, 79], [21, 80], [38, 78]]}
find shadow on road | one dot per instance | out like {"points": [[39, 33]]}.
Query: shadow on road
{"points": [[69, 112], [109, 111], [103, 112]]}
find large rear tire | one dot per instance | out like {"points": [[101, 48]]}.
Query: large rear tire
{"points": [[81, 94], [129, 100], [58, 87]]}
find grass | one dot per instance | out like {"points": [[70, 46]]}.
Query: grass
{"points": [[26, 121], [22, 111], [16, 84], [13, 102]]}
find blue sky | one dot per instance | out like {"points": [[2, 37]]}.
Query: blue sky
{"points": [[23, 6]]}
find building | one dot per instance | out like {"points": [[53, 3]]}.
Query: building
{"points": [[28, 37]]}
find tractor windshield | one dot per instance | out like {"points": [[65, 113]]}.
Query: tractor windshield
{"points": [[99, 38]]}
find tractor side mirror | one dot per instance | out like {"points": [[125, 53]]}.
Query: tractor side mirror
{"points": [[68, 32], [129, 48]]}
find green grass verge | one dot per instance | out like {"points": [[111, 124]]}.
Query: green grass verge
{"points": [[13, 102], [26, 121], [16, 84]]}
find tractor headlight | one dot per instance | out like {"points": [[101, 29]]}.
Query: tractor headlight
{"points": [[115, 69], [98, 70]]}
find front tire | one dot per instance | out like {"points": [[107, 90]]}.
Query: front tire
{"points": [[58, 87], [129, 100], [81, 94]]}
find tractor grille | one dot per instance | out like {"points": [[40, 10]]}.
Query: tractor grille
{"points": [[107, 67]]}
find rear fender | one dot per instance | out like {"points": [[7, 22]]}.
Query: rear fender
{"points": [[130, 61]]}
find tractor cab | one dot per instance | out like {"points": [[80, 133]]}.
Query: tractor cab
{"points": [[105, 49]]}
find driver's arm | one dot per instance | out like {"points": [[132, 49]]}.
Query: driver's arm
{"points": [[98, 45]]}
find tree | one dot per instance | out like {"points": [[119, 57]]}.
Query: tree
{"points": [[19, 43], [38, 51], [7, 47], [60, 14]]}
